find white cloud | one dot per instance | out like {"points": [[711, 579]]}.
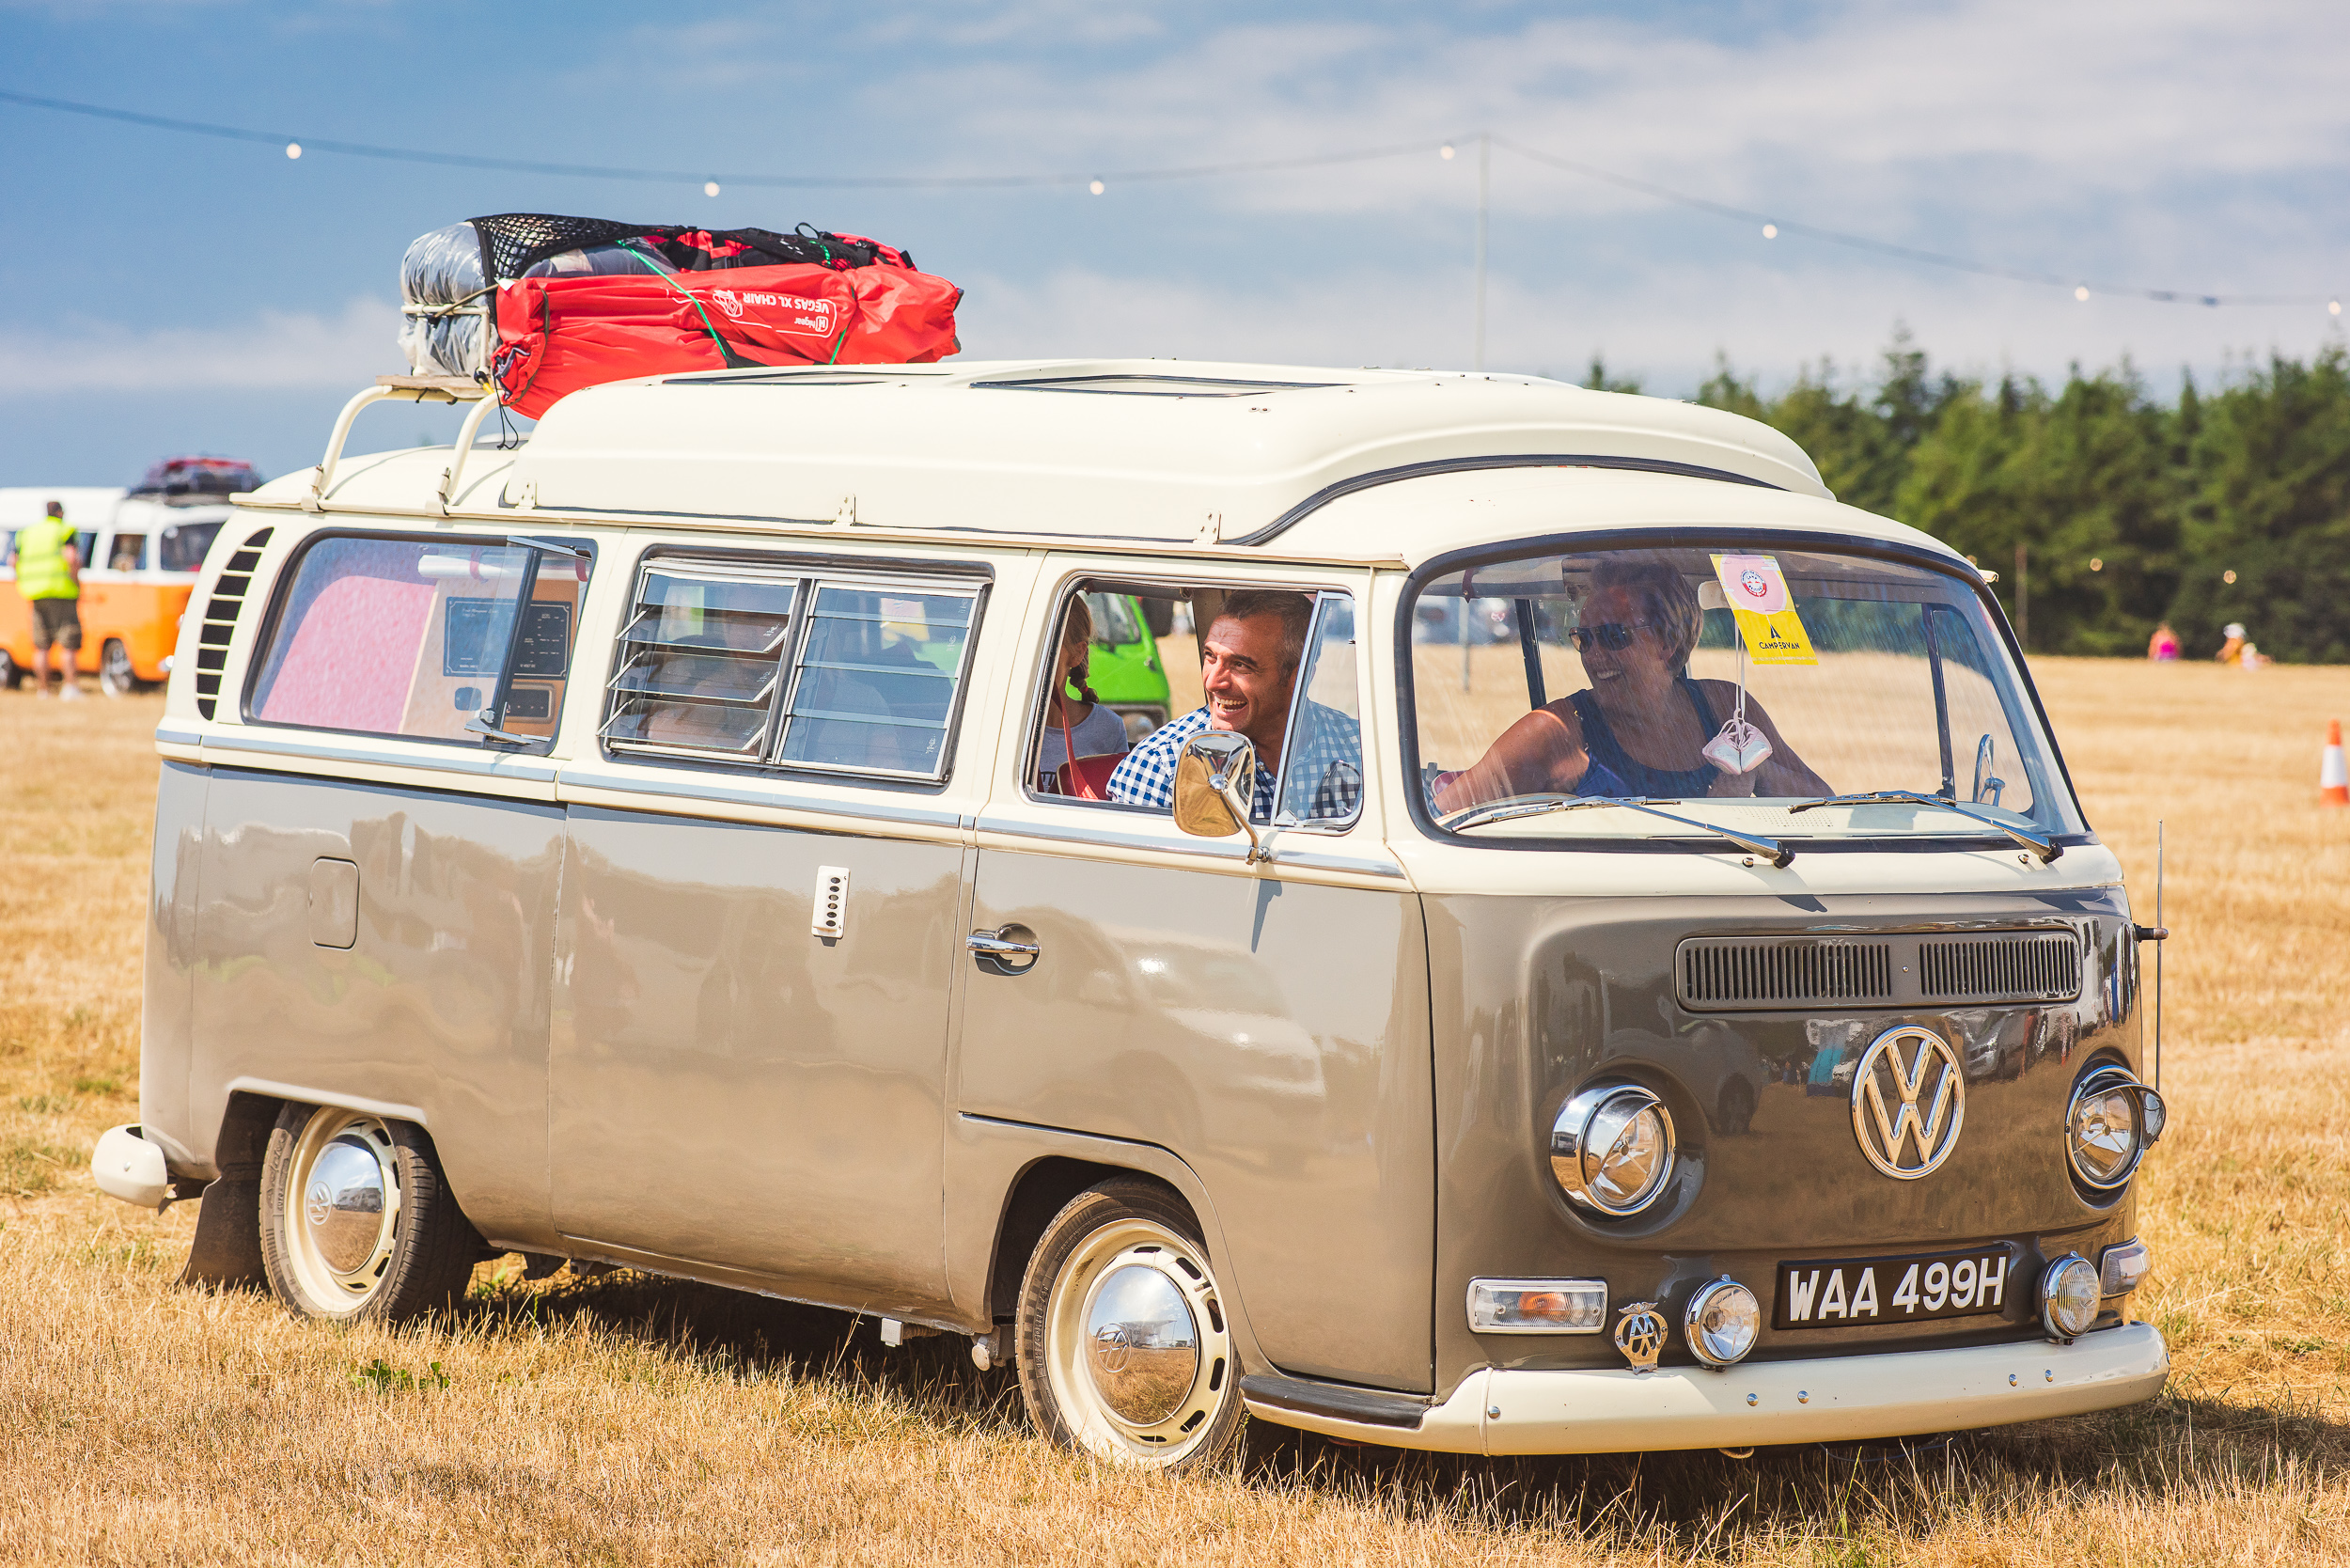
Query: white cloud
{"points": [[274, 350]]}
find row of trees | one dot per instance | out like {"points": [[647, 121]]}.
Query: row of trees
{"points": [[2231, 504]]}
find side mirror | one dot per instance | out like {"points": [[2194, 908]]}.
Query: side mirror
{"points": [[1210, 774]]}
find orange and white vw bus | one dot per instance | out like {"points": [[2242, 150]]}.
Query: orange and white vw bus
{"points": [[141, 552]]}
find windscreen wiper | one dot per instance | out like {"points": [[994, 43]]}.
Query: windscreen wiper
{"points": [[1476, 816], [2046, 848]]}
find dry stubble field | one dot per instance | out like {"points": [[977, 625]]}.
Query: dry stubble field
{"points": [[628, 1420]]}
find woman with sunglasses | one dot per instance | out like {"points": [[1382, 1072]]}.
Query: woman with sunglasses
{"points": [[1640, 728]]}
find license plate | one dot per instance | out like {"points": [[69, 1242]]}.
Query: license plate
{"points": [[1842, 1293]]}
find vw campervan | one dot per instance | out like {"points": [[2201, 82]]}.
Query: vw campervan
{"points": [[628, 850]]}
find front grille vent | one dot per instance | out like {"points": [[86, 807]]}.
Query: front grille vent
{"points": [[1781, 974], [1897, 969], [2001, 968], [219, 626]]}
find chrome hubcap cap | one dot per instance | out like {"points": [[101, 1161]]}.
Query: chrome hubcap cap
{"points": [[1142, 1345], [343, 1204]]}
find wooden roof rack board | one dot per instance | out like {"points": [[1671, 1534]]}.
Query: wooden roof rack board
{"points": [[414, 389]]}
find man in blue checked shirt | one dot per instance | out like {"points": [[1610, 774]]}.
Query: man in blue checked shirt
{"points": [[1248, 668]]}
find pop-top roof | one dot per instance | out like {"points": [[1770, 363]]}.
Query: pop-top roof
{"points": [[1124, 449]]}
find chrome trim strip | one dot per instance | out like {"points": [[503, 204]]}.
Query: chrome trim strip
{"points": [[1238, 855], [587, 775], [496, 764], [173, 733]]}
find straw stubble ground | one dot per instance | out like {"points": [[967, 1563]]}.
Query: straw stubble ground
{"points": [[626, 1419]]}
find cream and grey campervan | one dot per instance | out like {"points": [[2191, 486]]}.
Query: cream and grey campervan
{"points": [[1635, 974]]}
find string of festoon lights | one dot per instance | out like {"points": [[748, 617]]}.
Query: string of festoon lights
{"points": [[1101, 183]]}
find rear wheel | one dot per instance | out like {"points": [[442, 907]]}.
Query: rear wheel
{"points": [[356, 1222], [115, 675], [1122, 1340], [12, 673]]}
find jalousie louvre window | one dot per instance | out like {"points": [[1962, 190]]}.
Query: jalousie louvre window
{"points": [[722, 663]]}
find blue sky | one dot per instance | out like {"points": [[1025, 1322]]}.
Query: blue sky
{"points": [[165, 292]]}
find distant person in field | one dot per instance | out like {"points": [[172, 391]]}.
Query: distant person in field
{"points": [[48, 568], [2163, 647], [2231, 650]]}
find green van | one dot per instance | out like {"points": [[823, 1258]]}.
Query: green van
{"points": [[1126, 670]]}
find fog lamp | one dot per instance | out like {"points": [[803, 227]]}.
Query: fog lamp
{"points": [[2068, 1298], [2108, 1126], [1538, 1306], [1612, 1149], [2122, 1267], [1722, 1322]]}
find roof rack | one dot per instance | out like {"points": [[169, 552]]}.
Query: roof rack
{"points": [[411, 390]]}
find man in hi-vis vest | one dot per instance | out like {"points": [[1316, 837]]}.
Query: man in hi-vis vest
{"points": [[49, 575]]}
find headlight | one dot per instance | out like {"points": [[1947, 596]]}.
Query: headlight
{"points": [[2068, 1298], [1722, 1322], [1612, 1149], [2108, 1127]]}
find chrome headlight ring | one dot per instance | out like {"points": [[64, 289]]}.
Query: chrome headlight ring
{"points": [[1722, 1323], [1612, 1149], [2068, 1298], [2110, 1124]]}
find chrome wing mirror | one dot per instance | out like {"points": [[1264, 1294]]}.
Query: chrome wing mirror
{"points": [[1987, 788], [1211, 771]]}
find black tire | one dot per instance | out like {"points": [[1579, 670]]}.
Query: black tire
{"points": [[116, 677], [356, 1223], [12, 673], [1129, 1390]]}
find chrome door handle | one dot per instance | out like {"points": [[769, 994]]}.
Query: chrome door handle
{"points": [[992, 944]]}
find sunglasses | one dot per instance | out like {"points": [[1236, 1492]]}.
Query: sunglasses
{"points": [[1615, 635]]}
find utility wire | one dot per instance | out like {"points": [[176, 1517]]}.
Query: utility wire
{"points": [[1883, 247], [672, 176], [1097, 179]]}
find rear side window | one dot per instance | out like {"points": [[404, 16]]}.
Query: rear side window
{"points": [[760, 667], [183, 546], [428, 639]]}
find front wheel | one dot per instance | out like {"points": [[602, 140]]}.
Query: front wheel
{"points": [[116, 677], [1121, 1340], [356, 1222]]}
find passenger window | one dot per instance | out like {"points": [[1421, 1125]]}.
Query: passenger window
{"points": [[420, 638], [699, 662], [1315, 736], [1321, 766], [731, 663], [126, 552]]}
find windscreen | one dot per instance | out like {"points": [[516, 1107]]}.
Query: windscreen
{"points": [[1734, 683]]}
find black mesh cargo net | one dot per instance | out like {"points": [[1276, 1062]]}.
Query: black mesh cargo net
{"points": [[513, 242]]}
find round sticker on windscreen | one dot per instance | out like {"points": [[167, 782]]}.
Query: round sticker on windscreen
{"points": [[1753, 582]]}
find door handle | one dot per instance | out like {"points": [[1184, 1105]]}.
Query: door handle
{"points": [[996, 944]]}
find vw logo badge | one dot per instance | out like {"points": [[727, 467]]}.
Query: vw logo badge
{"points": [[1112, 1348], [1908, 1098], [1640, 1335], [320, 1204]]}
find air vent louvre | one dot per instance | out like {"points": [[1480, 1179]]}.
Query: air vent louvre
{"points": [[2004, 968], [220, 619], [1775, 974]]}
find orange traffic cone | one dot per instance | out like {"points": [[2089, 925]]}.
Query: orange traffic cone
{"points": [[2333, 778]]}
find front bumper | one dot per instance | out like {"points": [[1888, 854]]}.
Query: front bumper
{"points": [[1832, 1399]]}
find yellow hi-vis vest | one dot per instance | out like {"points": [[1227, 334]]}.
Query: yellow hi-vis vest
{"points": [[40, 570]]}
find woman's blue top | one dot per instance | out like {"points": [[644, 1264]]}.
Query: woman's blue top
{"points": [[1613, 772]]}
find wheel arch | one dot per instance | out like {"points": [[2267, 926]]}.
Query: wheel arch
{"points": [[1007, 1179]]}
